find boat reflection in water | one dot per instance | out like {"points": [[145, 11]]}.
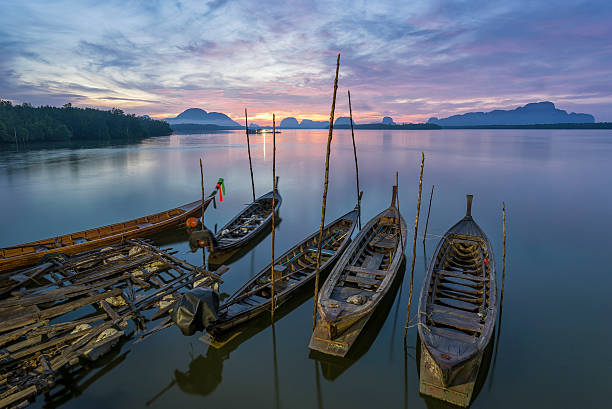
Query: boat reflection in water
{"points": [[331, 366], [205, 373], [481, 377]]}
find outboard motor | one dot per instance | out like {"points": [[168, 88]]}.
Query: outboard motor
{"points": [[195, 310]]}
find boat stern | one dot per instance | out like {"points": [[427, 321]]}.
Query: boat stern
{"points": [[450, 382]]}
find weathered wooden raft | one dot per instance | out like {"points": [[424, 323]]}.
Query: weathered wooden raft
{"points": [[457, 312], [292, 271], [360, 280], [80, 307]]}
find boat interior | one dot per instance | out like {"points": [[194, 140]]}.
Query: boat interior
{"points": [[369, 264], [292, 268], [249, 220], [458, 294]]}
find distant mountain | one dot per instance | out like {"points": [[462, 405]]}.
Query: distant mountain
{"points": [[343, 121], [530, 114], [289, 123], [388, 121], [309, 124], [201, 117]]}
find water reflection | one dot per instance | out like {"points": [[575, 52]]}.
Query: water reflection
{"points": [[74, 381], [205, 373], [275, 363], [43, 197], [318, 385]]}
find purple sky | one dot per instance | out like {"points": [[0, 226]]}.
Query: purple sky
{"points": [[410, 60]]}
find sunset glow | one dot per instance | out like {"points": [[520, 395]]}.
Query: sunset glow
{"points": [[409, 61]]}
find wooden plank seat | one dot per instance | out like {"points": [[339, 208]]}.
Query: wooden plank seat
{"points": [[452, 311], [460, 288], [452, 334], [325, 252], [366, 271], [461, 323], [460, 275], [383, 243], [459, 297], [362, 280]]}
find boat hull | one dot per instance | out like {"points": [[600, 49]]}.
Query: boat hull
{"points": [[431, 383], [10, 258]]}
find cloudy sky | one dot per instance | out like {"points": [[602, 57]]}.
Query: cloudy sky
{"points": [[407, 59]]}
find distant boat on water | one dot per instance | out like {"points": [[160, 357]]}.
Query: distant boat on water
{"points": [[260, 131]]}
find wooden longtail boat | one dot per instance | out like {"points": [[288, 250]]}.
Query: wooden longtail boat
{"points": [[242, 228], [30, 253], [292, 270], [457, 312], [359, 282]]}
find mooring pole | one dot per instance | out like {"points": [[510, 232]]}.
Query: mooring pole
{"points": [[246, 124], [203, 208], [416, 228], [428, 210], [501, 302], [329, 140], [273, 277], [399, 221], [355, 153]]}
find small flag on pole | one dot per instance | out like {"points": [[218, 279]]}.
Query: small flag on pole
{"points": [[221, 188]]}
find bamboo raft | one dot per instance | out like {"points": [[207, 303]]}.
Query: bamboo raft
{"points": [[75, 311], [292, 270], [241, 229], [457, 312], [27, 254], [360, 280]]}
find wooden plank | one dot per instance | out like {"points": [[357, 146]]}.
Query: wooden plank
{"points": [[459, 275], [366, 271], [373, 262], [452, 334], [18, 396], [362, 280], [460, 297], [461, 323], [55, 311], [452, 311]]}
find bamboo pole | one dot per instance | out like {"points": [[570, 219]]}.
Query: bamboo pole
{"points": [[246, 124], [273, 278], [416, 227], [355, 153], [329, 140], [399, 221], [428, 211], [504, 256], [203, 209]]}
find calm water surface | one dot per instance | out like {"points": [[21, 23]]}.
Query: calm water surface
{"points": [[554, 345]]}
